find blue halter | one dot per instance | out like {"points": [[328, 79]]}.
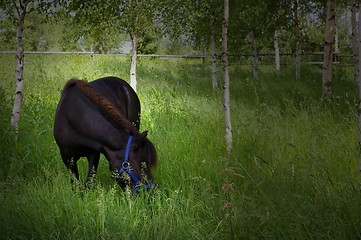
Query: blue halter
{"points": [[126, 168]]}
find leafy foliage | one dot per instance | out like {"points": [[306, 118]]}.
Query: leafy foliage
{"points": [[73, 25]]}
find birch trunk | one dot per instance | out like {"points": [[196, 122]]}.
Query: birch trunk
{"points": [[19, 72], [335, 57], [226, 103], [277, 51], [336, 35], [328, 54], [214, 53], [359, 79], [354, 40], [204, 56], [133, 65], [255, 64], [297, 40]]}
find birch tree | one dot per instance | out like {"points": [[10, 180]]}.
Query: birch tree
{"points": [[279, 17], [257, 22], [359, 77], [16, 11], [214, 49], [195, 23], [21, 10], [328, 52], [255, 61], [226, 103], [354, 40], [277, 51], [134, 37], [132, 17], [297, 39]]}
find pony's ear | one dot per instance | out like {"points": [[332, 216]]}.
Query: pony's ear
{"points": [[142, 136]]}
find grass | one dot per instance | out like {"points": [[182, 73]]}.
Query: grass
{"points": [[293, 173]]}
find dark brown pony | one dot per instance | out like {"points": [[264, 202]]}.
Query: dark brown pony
{"points": [[99, 117]]}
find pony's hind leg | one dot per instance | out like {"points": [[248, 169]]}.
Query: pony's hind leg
{"points": [[71, 164]]}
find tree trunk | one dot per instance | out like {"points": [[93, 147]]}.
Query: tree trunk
{"points": [[359, 78], [297, 40], [214, 53], [133, 66], [255, 64], [354, 40], [15, 116], [328, 54], [91, 50], [134, 37], [335, 57], [226, 103], [277, 51], [101, 47], [204, 56]]}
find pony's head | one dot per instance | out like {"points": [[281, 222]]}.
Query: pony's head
{"points": [[134, 167]]}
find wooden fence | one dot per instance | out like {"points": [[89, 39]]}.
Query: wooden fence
{"points": [[337, 56]]}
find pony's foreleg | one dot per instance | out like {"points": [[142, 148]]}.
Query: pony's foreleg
{"points": [[93, 160]]}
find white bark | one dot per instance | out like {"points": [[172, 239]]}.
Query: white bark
{"points": [[214, 51], [15, 116], [204, 56], [297, 40], [277, 51], [328, 54], [255, 64], [226, 103], [335, 58], [359, 77], [354, 40], [133, 66], [336, 35]]}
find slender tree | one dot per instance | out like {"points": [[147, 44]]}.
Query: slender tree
{"points": [[133, 64], [277, 51], [328, 52], [297, 39], [226, 103], [214, 49], [131, 17], [359, 76], [336, 37], [21, 10], [195, 23], [15, 12], [280, 19], [354, 40], [255, 62]]}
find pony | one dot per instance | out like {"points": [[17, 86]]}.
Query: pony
{"points": [[103, 117]]}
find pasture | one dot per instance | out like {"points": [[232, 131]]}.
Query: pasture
{"points": [[293, 173]]}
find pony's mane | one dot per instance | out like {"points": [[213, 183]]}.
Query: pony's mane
{"points": [[70, 83], [89, 91]]}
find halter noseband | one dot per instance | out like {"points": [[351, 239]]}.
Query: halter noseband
{"points": [[126, 168]]}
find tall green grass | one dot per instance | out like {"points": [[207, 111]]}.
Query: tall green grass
{"points": [[293, 173]]}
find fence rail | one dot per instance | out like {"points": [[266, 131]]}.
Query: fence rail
{"points": [[337, 55], [27, 52]]}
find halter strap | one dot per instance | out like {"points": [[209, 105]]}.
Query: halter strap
{"points": [[128, 147], [126, 168]]}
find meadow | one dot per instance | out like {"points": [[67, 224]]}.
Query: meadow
{"points": [[293, 172]]}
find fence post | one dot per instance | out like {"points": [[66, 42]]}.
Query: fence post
{"points": [[204, 55], [91, 50]]}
